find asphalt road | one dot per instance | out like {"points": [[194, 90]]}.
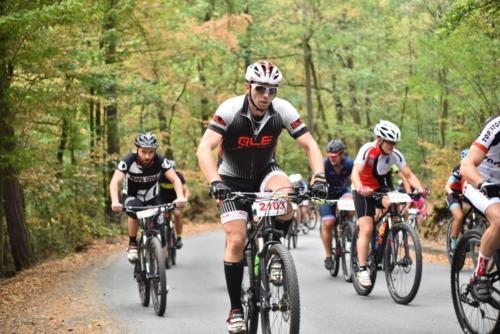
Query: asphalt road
{"points": [[198, 302]]}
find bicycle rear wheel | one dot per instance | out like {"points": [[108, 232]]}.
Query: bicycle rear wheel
{"points": [[473, 316], [280, 312], [403, 263], [355, 266], [345, 241], [158, 276]]}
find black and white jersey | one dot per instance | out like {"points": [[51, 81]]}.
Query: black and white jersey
{"points": [[142, 181], [249, 146], [489, 143]]}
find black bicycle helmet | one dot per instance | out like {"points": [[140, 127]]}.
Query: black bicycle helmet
{"points": [[335, 146], [146, 140]]}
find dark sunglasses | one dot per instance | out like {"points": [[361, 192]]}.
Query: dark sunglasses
{"points": [[263, 90]]}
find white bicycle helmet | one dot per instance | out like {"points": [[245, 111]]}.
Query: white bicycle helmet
{"points": [[263, 72], [387, 131]]}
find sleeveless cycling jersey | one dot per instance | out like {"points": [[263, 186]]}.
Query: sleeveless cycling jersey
{"points": [[377, 165], [248, 146], [338, 183], [489, 142], [141, 181]]}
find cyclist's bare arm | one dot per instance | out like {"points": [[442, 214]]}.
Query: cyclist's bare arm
{"points": [[406, 184], [208, 165], [468, 166], [356, 170], [171, 175], [412, 178], [307, 142], [447, 188], [114, 190], [186, 191]]}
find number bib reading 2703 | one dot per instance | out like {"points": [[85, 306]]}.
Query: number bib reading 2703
{"points": [[270, 207]]}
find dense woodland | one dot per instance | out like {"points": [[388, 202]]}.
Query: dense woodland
{"points": [[79, 78]]}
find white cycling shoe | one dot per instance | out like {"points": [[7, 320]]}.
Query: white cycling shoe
{"points": [[364, 278]]}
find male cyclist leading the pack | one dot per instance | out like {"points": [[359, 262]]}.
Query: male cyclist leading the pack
{"points": [[371, 168], [481, 169], [247, 128], [141, 171]]}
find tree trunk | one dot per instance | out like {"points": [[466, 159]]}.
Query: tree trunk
{"points": [[321, 109], [356, 116], [308, 85], [2, 255], [111, 107], [444, 105], [62, 143]]}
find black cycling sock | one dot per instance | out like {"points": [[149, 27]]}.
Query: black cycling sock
{"points": [[234, 277], [132, 240]]}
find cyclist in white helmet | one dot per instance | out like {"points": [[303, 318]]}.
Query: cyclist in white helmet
{"points": [[371, 169], [247, 128]]}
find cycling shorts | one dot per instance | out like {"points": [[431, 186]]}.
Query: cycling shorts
{"points": [[365, 206], [477, 198], [237, 209], [454, 201], [327, 211], [133, 201]]}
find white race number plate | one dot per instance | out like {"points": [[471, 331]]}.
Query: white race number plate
{"points": [[272, 207], [147, 213], [346, 204], [397, 197]]}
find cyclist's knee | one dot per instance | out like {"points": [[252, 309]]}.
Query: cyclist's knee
{"points": [[328, 223], [493, 215]]}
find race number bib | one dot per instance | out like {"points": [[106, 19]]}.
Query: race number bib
{"points": [[397, 197], [275, 207], [147, 213], [346, 204]]}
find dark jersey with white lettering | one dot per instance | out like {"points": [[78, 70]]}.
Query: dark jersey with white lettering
{"points": [[141, 181], [338, 184], [248, 145]]}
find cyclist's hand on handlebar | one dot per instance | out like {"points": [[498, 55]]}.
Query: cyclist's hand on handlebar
{"points": [[365, 191], [116, 207], [424, 191], [219, 190], [180, 202], [319, 189]]}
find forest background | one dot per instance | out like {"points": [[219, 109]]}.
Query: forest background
{"points": [[80, 78]]}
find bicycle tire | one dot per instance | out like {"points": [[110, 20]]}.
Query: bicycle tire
{"points": [[346, 251], [397, 269], [462, 269], [169, 243], [336, 253], [285, 311], [362, 291], [250, 294], [313, 217], [140, 276], [158, 279]]}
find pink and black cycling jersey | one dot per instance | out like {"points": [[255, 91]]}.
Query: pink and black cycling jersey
{"points": [[248, 146], [377, 165], [489, 143], [141, 181]]}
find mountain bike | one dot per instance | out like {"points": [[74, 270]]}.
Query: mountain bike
{"points": [[149, 270], [473, 219], [342, 235], [475, 316], [395, 248], [270, 287]]}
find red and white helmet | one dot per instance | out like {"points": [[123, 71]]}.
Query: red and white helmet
{"points": [[264, 72], [387, 131]]}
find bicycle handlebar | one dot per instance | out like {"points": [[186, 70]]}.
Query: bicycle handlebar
{"points": [[163, 207]]}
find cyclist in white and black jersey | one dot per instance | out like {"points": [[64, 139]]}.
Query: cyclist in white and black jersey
{"points": [[139, 173], [246, 128], [481, 168]]}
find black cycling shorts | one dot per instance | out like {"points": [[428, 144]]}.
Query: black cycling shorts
{"points": [[453, 200], [133, 201], [365, 206]]}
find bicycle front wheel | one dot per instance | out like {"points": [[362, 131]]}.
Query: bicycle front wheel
{"points": [[157, 276], [345, 242], [313, 217], [473, 316], [140, 276], [403, 263], [336, 253], [250, 291], [372, 264], [280, 312]]}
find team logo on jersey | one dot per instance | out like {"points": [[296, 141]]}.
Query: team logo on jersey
{"points": [[217, 119], [122, 165], [296, 124], [245, 141]]}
